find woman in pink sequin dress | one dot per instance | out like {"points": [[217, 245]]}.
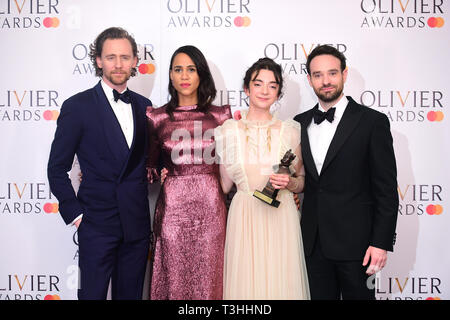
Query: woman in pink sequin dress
{"points": [[190, 218]]}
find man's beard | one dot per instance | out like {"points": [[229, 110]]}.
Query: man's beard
{"points": [[329, 97], [118, 82]]}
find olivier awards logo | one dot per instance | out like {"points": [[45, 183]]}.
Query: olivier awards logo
{"points": [[29, 14], [412, 106], [236, 98], [420, 199], [27, 198], [29, 105], [208, 13], [29, 287], [402, 14], [147, 59], [83, 66], [406, 288], [292, 56]]}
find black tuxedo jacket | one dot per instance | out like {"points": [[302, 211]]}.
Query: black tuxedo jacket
{"points": [[353, 203], [113, 192]]}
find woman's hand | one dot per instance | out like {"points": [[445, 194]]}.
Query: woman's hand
{"points": [[279, 180], [164, 172]]}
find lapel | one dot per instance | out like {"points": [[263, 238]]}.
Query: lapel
{"points": [[348, 123], [111, 127], [308, 159], [138, 135]]}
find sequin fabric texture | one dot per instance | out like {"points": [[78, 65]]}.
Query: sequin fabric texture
{"points": [[190, 217]]}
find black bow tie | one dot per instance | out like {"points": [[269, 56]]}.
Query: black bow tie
{"points": [[125, 96], [319, 116]]}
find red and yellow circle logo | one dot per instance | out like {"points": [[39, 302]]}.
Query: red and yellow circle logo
{"points": [[435, 22], [51, 22], [51, 207], [50, 115], [434, 209], [242, 21], [435, 116], [148, 68]]}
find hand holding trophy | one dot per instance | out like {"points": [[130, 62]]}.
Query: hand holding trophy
{"points": [[269, 193]]}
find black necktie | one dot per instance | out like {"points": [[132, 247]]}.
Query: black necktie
{"points": [[319, 116], [125, 96]]}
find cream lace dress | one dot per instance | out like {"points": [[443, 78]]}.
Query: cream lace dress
{"points": [[264, 256]]}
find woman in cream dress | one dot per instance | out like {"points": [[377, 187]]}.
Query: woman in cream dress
{"points": [[263, 248]]}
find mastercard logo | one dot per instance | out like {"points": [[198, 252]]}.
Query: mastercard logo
{"points": [[51, 207], [435, 22], [52, 297], [51, 22], [51, 115], [433, 298], [242, 21], [435, 116], [434, 209], [148, 68]]}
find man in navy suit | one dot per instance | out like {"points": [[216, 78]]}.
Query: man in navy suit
{"points": [[105, 126], [350, 197]]}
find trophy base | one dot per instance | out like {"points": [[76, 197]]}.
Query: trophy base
{"points": [[261, 196]]}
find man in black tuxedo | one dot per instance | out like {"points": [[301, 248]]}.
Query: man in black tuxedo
{"points": [[350, 204], [105, 126]]}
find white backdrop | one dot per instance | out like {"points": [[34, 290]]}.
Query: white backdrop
{"points": [[397, 53]]}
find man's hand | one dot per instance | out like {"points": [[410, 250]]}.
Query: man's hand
{"points": [[77, 222], [297, 200], [377, 257]]}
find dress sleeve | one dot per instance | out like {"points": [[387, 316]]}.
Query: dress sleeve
{"points": [[226, 138], [225, 143], [290, 138], [226, 114], [154, 148]]}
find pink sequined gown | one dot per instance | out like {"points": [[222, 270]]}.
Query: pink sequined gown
{"points": [[190, 218]]}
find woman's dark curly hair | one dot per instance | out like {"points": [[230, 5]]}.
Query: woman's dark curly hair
{"points": [[206, 91], [97, 46], [265, 64]]}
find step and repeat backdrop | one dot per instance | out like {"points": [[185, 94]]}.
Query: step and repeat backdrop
{"points": [[397, 53]]}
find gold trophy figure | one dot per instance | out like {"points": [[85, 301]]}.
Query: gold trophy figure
{"points": [[269, 193]]}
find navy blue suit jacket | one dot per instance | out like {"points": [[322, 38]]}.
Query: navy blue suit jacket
{"points": [[113, 192]]}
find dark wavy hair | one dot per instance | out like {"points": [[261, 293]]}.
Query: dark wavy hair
{"points": [[97, 47], [265, 64], [325, 49], [206, 91]]}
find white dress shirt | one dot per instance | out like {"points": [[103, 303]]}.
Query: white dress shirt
{"points": [[124, 114], [320, 135]]}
